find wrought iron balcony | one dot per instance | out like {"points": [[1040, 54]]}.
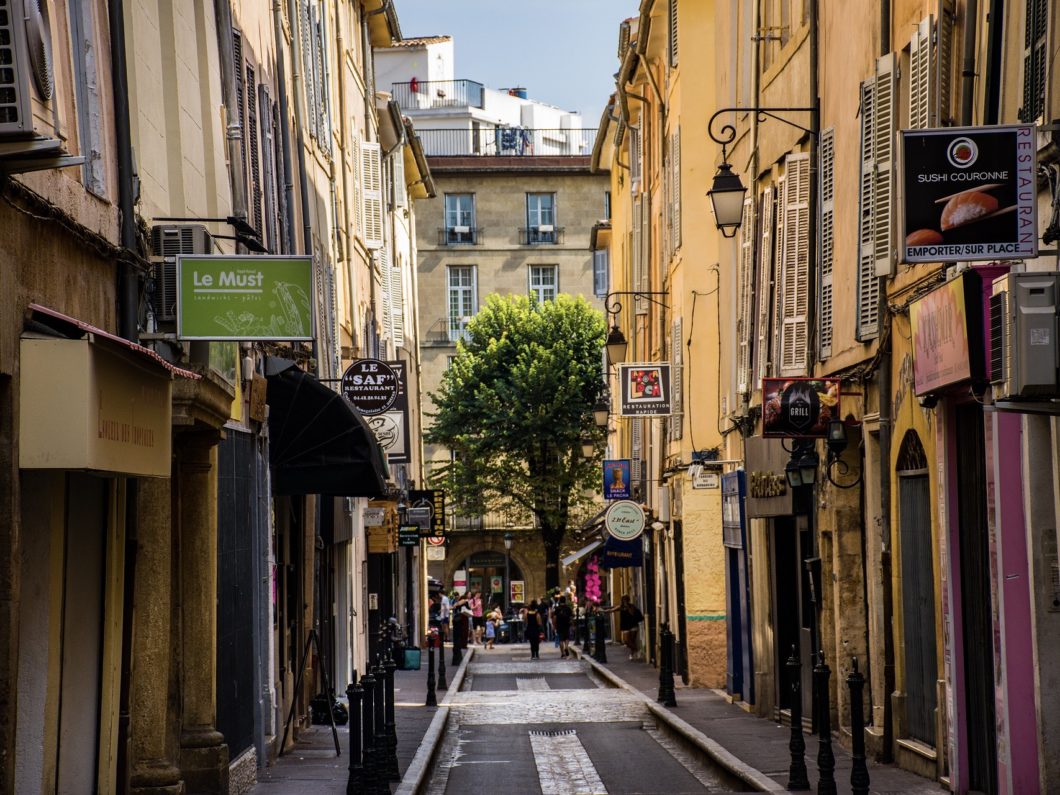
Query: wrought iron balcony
{"points": [[429, 94], [446, 331], [459, 236], [489, 141], [540, 235]]}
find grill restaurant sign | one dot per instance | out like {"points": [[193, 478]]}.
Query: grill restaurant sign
{"points": [[799, 408], [245, 298], [968, 193]]}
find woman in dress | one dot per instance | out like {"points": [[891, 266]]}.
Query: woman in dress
{"points": [[532, 621]]}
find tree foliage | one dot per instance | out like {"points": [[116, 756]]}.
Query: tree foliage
{"points": [[514, 407]]}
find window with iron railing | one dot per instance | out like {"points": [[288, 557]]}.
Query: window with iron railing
{"points": [[541, 218], [463, 299], [459, 218]]}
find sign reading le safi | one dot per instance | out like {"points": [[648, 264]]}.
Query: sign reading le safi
{"points": [[245, 298]]}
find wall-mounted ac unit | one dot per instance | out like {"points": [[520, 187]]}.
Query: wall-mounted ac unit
{"points": [[168, 241], [28, 108], [1024, 357]]}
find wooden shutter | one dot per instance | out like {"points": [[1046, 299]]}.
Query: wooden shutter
{"points": [[400, 189], [883, 149], [1034, 59], [305, 23], [795, 270], [636, 434], [372, 187], [676, 381], [250, 133], [675, 182], [397, 304], [635, 250], [383, 274], [944, 69], [827, 241], [320, 76], [745, 299], [921, 113], [765, 279], [270, 234], [643, 277], [868, 286], [358, 186], [673, 33], [283, 225], [239, 112]]}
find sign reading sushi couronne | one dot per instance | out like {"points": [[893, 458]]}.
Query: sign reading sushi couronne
{"points": [[968, 193], [624, 520], [370, 385], [244, 298]]}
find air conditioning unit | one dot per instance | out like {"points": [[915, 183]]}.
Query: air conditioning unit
{"points": [[28, 109], [1024, 357], [167, 242]]}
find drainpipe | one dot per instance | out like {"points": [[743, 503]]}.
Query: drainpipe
{"points": [[885, 474], [285, 131], [233, 130], [128, 327]]}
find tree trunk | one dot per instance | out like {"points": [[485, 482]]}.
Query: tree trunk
{"points": [[551, 565]]}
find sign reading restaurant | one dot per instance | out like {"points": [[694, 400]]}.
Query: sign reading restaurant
{"points": [[371, 386], [245, 298], [968, 193], [645, 389]]}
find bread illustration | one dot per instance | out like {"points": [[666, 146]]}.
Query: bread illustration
{"points": [[923, 237], [967, 207]]}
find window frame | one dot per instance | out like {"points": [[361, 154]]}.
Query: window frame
{"points": [[538, 291], [534, 232], [453, 237], [457, 326]]}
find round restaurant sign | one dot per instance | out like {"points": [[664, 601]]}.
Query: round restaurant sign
{"points": [[624, 520], [370, 385]]}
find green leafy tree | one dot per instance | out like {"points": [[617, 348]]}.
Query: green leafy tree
{"points": [[514, 408]]}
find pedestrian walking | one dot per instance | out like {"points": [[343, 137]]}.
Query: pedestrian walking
{"points": [[534, 631], [478, 620], [444, 610], [629, 618], [562, 617]]}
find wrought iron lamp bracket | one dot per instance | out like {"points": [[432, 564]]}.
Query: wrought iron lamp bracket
{"points": [[613, 306], [726, 134]]}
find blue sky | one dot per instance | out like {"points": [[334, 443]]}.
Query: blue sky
{"points": [[562, 51]]}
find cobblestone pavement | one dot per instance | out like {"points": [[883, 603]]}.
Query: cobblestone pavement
{"points": [[577, 736]]}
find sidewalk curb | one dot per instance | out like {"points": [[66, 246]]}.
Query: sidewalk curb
{"points": [[416, 774], [711, 748]]}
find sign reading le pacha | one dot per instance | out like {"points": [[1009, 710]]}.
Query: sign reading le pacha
{"points": [[968, 193], [245, 298]]}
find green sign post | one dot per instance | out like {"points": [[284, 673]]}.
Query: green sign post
{"points": [[245, 298]]}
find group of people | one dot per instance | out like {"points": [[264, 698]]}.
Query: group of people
{"points": [[473, 622]]}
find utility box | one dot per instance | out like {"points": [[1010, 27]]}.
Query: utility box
{"points": [[1024, 356]]}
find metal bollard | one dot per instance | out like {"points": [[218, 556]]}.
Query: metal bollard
{"points": [[370, 777], [667, 697], [391, 720], [355, 695], [825, 757], [859, 771], [797, 776], [442, 684], [382, 773], [600, 652], [432, 696], [583, 631]]}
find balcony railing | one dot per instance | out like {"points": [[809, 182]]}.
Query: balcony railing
{"points": [[507, 142], [429, 94], [540, 235], [446, 331], [459, 236]]}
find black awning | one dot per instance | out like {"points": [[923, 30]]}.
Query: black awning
{"points": [[318, 444]]}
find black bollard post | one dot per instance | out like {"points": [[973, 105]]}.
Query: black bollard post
{"points": [[370, 777], [582, 630], [600, 652], [442, 684], [432, 696], [825, 757], [859, 771], [667, 696], [355, 695], [382, 772], [391, 720], [797, 776]]}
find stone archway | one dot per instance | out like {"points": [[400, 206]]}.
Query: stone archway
{"points": [[527, 554]]}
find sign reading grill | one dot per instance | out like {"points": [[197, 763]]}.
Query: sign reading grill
{"points": [[370, 385]]}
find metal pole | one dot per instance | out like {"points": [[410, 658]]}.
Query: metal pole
{"points": [[507, 584], [369, 779], [859, 771], [432, 696], [825, 757], [797, 777], [391, 720], [381, 768], [355, 695], [600, 652], [667, 697], [442, 684]]}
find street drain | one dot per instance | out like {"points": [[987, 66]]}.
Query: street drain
{"points": [[554, 733]]}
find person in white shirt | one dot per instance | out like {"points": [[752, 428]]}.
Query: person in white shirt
{"points": [[443, 617]]}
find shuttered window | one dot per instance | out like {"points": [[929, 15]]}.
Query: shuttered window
{"points": [[765, 279], [1035, 58], [776, 272], [943, 66], [635, 152], [921, 77], [250, 133], [827, 241], [320, 55], [239, 111], [372, 192], [268, 171], [400, 188], [672, 31], [745, 297], [601, 260], [795, 270], [386, 303], [397, 304], [305, 23], [636, 433], [675, 189], [677, 381], [868, 286], [883, 150], [635, 249]]}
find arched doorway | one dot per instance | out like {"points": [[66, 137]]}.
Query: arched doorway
{"points": [[492, 571]]}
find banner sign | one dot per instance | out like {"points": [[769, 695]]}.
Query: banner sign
{"points": [[645, 389], [617, 479], [434, 500], [799, 408], [946, 326], [244, 298], [408, 536], [517, 592], [624, 520], [391, 428], [622, 554], [370, 385], [968, 193]]}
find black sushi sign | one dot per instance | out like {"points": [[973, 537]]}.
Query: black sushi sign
{"points": [[968, 193]]}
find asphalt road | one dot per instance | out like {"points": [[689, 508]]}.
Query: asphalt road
{"points": [[549, 727]]}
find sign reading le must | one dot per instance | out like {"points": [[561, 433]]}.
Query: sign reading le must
{"points": [[370, 385], [624, 520]]}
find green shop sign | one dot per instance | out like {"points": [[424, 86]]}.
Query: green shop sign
{"points": [[245, 298]]}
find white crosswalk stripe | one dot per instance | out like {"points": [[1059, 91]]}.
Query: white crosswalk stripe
{"points": [[563, 765]]}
